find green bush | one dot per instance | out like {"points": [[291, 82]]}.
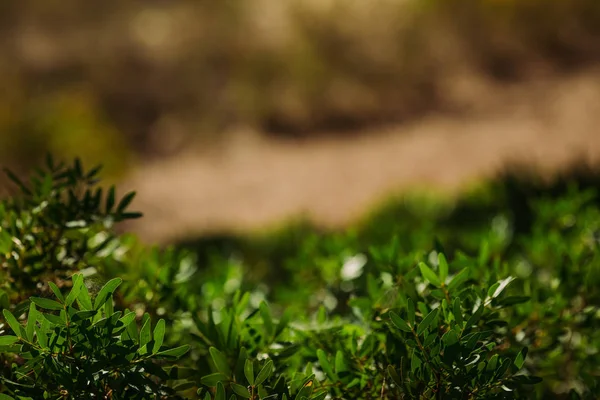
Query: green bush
{"points": [[491, 297]]}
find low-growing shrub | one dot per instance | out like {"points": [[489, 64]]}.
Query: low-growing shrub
{"points": [[422, 302]]}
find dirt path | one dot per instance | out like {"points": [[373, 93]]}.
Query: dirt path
{"points": [[253, 183]]}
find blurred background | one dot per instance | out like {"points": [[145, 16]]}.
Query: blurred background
{"points": [[232, 116]]}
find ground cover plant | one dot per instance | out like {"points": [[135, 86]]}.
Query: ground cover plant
{"points": [[493, 296]]}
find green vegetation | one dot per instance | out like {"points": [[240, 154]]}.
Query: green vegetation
{"points": [[493, 296]]}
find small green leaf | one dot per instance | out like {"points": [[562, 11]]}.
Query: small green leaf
{"points": [[12, 322], [174, 353], [220, 394], [511, 300], [6, 397], [110, 199], [410, 307], [474, 319], [394, 375], [47, 303], [55, 319], [83, 299], [213, 379], [265, 313], [106, 291], [125, 201], [220, 361], [399, 322], [429, 275], [520, 358], [83, 315], [31, 319], [56, 291], [459, 279], [145, 333], [450, 338], [7, 340], [264, 373], [443, 267], [74, 293], [457, 312], [240, 390], [159, 335], [326, 365], [249, 371], [427, 321]]}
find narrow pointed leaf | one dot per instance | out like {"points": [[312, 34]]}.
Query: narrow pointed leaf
{"points": [[249, 371], [429, 275], [56, 291], [443, 267], [47, 303], [220, 361], [399, 322], [106, 291], [12, 322], [427, 321], [264, 373], [159, 335]]}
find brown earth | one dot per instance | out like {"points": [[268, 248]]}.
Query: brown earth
{"points": [[252, 182]]}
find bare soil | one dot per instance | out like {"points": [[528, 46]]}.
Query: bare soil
{"points": [[254, 182]]}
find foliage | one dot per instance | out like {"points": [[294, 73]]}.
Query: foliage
{"points": [[81, 348], [494, 297]]}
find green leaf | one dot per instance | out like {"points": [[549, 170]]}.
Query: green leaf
{"points": [[159, 335], [427, 321], [31, 319], [240, 390], [520, 358], [6, 397], [220, 394], [264, 373], [511, 300], [443, 267], [47, 303], [74, 293], [110, 199], [213, 379], [84, 300], [83, 315], [450, 338], [220, 361], [55, 319], [429, 275], [457, 312], [7, 340], [394, 375], [459, 279], [106, 291], [265, 313], [326, 365], [56, 292], [340, 362], [40, 333], [474, 319], [175, 352], [410, 307], [145, 333], [399, 322], [12, 322], [249, 371], [125, 201]]}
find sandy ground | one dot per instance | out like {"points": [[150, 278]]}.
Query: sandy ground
{"points": [[253, 182]]}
